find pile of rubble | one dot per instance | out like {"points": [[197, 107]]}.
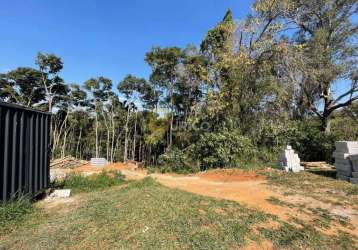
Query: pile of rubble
{"points": [[67, 162], [346, 160]]}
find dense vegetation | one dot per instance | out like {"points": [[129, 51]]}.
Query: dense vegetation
{"points": [[253, 86]]}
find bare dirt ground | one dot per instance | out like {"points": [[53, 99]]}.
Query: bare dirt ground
{"points": [[251, 189]]}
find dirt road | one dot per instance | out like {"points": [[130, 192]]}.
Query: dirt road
{"points": [[252, 191]]}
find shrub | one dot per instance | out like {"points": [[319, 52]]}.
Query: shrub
{"points": [[80, 183], [222, 149], [311, 143], [178, 161]]}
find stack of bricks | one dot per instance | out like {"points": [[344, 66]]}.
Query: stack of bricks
{"points": [[346, 160], [98, 162], [354, 160], [290, 161]]}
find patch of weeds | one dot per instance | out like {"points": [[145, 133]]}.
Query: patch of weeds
{"points": [[278, 202], [325, 218], [289, 236], [344, 241], [79, 183], [319, 187], [13, 212], [288, 193], [352, 190]]}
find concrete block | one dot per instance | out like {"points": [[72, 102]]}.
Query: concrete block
{"points": [[355, 168], [343, 163], [350, 147], [343, 177], [345, 173], [343, 167], [297, 169], [355, 174], [354, 180], [289, 161], [340, 155], [61, 193], [98, 162], [354, 161]]}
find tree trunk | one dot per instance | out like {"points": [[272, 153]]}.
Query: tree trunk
{"points": [[125, 156], [113, 136], [78, 141], [326, 125], [134, 137], [108, 134], [64, 145], [172, 117], [97, 151]]}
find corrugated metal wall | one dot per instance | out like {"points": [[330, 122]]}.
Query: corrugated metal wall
{"points": [[24, 150]]}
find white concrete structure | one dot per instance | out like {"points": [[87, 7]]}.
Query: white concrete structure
{"points": [[290, 161], [346, 160], [61, 193], [98, 162]]}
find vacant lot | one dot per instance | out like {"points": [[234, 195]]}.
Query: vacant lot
{"points": [[287, 213]]}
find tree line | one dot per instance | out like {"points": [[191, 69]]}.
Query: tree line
{"points": [[251, 86]]}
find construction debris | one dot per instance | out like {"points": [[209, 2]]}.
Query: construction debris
{"points": [[346, 160], [60, 193], [67, 162], [290, 161], [318, 166]]}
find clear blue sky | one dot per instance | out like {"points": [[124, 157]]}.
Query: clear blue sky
{"points": [[108, 37]]}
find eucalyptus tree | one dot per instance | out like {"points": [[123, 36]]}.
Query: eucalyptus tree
{"points": [[75, 100], [100, 89], [22, 86], [50, 66], [164, 63], [131, 87]]}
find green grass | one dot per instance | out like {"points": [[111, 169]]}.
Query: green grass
{"points": [[13, 212], [322, 188], [78, 183], [306, 236], [147, 215]]}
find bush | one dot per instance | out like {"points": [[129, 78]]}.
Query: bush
{"points": [[79, 183], [312, 144], [222, 149], [178, 161]]}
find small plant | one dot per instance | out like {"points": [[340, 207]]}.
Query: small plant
{"points": [[79, 183]]}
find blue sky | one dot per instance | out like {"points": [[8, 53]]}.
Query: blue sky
{"points": [[109, 37]]}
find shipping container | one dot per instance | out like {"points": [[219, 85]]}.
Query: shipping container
{"points": [[24, 151]]}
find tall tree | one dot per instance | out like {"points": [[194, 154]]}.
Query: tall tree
{"points": [[50, 66], [326, 33], [101, 90], [164, 62], [131, 87], [22, 86]]}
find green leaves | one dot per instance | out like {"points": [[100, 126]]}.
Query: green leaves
{"points": [[222, 149]]}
